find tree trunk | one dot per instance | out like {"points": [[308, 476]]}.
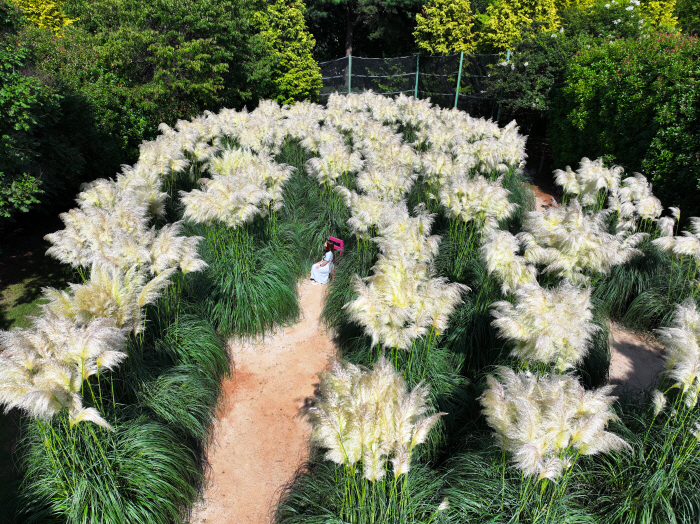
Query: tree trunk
{"points": [[349, 27]]}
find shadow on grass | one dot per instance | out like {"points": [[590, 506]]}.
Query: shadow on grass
{"points": [[25, 270], [9, 475]]}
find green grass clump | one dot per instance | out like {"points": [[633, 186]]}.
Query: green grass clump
{"points": [[161, 402], [324, 491]]}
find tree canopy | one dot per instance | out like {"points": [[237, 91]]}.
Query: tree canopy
{"points": [[445, 27]]}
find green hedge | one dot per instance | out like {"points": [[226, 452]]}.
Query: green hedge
{"points": [[637, 103]]}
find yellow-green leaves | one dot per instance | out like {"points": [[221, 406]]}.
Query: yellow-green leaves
{"points": [[295, 75], [445, 27], [47, 14], [504, 21]]}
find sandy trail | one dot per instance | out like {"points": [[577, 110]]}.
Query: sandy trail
{"points": [[637, 359], [258, 441]]}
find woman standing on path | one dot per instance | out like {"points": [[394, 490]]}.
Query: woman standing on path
{"points": [[321, 270]]}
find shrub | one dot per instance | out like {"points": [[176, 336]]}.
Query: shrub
{"points": [[294, 74], [536, 69], [445, 27], [637, 102], [47, 14]]}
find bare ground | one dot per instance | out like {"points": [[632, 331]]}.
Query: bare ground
{"points": [[637, 360], [259, 441]]}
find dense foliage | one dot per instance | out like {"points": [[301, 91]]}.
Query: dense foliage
{"points": [[638, 102], [79, 101], [502, 24], [47, 14], [445, 27], [39, 153], [294, 74]]}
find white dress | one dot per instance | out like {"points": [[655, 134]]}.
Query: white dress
{"points": [[320, 273]]}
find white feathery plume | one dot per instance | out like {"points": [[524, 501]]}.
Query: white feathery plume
{"points": [[589, 180], [369, 416], [476, 199], [499, 253], [685, 245], [682, 343], [108, 294], [540, 420], [548, 326], [570, 242]]}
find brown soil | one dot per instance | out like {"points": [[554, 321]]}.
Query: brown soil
{"points": [[259, 440], [637, 360]]}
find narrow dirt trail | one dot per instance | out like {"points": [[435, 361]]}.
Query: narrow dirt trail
{"points": [[258, 441]]}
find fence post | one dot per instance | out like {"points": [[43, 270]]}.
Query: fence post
{"points": [[415, 93], [349, 74], [459, 77], [498, 116]]}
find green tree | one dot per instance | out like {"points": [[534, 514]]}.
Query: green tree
{"points": [[47, 14], [688, 13], [502, 25], [25, 105], [178, 57], [294, 74], [660, 13], [445, 27]]}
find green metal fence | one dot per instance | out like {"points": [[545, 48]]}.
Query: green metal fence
{"points": [[449, 81]]}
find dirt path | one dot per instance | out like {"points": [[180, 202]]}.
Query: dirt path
{"points": [[258, 442], [637, 359]]}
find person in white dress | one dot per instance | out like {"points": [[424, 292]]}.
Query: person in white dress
{"points": [[320, 270]]}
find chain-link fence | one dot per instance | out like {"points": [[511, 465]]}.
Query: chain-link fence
{"points": [[449, 81]]}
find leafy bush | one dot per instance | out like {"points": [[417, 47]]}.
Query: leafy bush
{"points": [[294, 73], [47, 14], [636, 102], [536, 69], [445, 27]]}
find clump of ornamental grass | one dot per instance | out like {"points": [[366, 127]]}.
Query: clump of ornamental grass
{"points": [[685, 252], [682, 343], [365, 420], [635, 204], [574, 244], [250, 284], [161, 403], [243, 185], [479, 490], [474, 206], [658, 481], [119, 237], [551, 327], [590, 183], [545, 423], [500, 255], [335, 160], [402, 300], [109, 293], [43, 369]]}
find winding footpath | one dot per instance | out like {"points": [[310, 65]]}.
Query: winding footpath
{"points": [[259, 441]]}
